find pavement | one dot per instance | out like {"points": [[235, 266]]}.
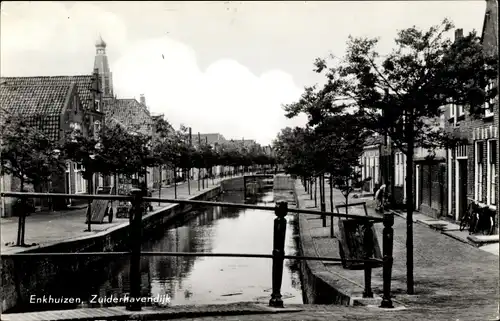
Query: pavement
{"points": [[453, 280], [248, 311], [449, 275], [46, 228]]}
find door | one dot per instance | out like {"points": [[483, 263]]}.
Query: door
{"points": [[462, 187]]}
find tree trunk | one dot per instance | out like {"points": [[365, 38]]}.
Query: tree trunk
{"points": [[159, 187], [315, 191], [175, 182], [22, 217], [331, 193], [311, 185], [189, 181], [199, 177], [409, 209]]}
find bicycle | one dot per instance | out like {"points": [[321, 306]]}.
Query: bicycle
{"points": [[469, 218], [478, 219]]}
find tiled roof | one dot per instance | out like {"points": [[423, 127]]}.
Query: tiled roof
{"points": [[374, 140], [130, 113], [83, 84], [40, 105]]}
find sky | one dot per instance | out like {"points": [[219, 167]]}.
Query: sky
{"points": [[215, 66]]}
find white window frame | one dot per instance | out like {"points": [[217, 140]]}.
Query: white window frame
{"points": [[489, 105], [80, 182], [491, 174], [460, 111], [399, 169], [452, 110], [97, 105], [478, 172]]}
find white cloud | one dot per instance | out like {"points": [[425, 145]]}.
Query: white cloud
{"points": [[226, 98]]}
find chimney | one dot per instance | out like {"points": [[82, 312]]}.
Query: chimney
{"points": [[143, 99], [459, 33]]}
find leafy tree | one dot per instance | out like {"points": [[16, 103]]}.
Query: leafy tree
{"points": [[402, 94], [27, 153]]}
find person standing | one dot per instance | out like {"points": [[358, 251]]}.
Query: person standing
{"points": [[379, 198]]}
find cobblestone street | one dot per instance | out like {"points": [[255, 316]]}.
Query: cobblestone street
{"points": [[449, 275]]}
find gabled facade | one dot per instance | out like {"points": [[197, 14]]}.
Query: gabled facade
{"points": [[55, 105], [370, 164], [473, 167]]}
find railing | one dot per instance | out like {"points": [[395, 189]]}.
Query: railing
{"points": [[278, 254]]}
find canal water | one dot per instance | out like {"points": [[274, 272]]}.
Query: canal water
{"points": [[200, 280]]}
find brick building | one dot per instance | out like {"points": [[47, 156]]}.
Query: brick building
{"points": [[131, 114], [473, 167], [369, 163], [55, 105]]}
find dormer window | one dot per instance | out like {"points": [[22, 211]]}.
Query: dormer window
{"points": [[97, 105]]}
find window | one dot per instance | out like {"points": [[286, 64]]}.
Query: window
{"points": [[491, 177], [460, 111], [97, 105], [80, 182], [399, 169], [488, 106], [97, 129], [453, 107], [478, 171]]}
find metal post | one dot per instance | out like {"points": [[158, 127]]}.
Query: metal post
{"points": [[368, 253], [159, 188], [388, 236], [278, 253], [135, 237], [22, 208], [323, 201], [245, 187]]}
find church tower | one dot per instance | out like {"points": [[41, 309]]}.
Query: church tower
{"points": [[102, 65]]}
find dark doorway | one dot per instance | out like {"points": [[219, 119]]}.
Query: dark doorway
{"points": [[462, 187]]}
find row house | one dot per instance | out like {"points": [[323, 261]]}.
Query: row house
{"points": [[446, 180], [382, 163], [135, 117], [215, 140], [55, 105], [473, 167]]}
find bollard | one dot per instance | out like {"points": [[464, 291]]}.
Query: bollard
{"points": [[278, 253], [135, 237], [388, 237], [368, 248]]}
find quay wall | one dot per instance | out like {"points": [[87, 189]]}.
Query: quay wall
{"points": [[22, 276]]}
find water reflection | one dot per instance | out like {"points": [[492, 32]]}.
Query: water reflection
{"points": [[205, 280]]}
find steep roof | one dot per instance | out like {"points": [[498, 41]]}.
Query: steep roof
{"points": [[82, 82], [130, 113], [374, 140], [40, 105]]}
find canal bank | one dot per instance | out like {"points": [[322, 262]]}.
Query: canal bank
{"points": [[318, 284], [22, 276]]}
